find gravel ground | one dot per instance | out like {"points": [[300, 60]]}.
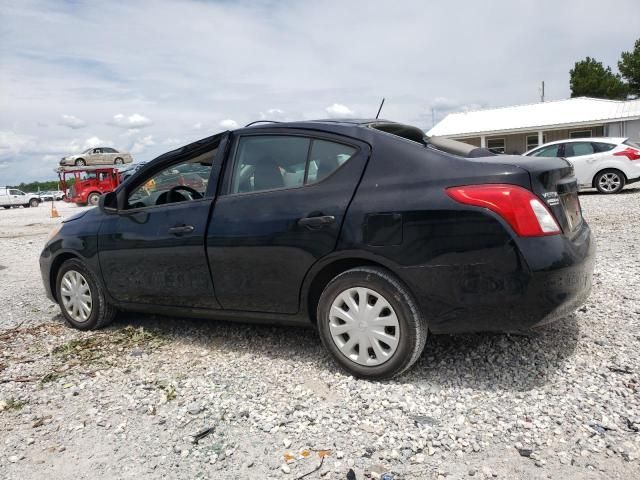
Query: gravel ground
{"points": [[128, 401]]}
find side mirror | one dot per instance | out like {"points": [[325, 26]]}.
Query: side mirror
{"points": [[108, 203]]}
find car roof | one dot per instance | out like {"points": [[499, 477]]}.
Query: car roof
{"points": [[615, 140]]}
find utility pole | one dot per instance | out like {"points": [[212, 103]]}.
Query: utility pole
{"points": [[542, 92]]}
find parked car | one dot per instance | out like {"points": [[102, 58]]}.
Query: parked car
{"points": [[97, 156], [48, 196], [366, 230], [607, 164], [128, 171], [88, 183], [45, 196], [12, 197]]}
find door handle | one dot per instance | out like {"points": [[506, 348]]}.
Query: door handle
{"points": [[181, 229], [316, 222]]}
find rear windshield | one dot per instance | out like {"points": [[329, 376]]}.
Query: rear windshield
{"points": [[631, 143]]}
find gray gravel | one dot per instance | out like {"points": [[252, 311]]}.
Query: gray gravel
{"points": [[127, 402]]}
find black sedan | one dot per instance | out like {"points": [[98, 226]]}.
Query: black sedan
{"points": [[365, 229]]}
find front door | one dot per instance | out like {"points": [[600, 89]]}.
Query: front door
{"points": [[153, 250], [282, 207]]}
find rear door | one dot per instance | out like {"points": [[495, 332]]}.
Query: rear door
{"points": [[285, 196]]}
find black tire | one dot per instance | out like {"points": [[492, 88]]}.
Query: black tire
{"points": [[80, 162], [413, 327], [102, 313], [34, 202], [608, 188], [26, 205], [118, 161], [93, 198], [7, 207]]}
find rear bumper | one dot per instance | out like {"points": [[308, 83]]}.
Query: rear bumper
{"points": [[531, 282]]}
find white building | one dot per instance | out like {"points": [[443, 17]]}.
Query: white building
{"points": [[516, 129]]}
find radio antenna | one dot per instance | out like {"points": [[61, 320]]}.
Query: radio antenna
{"points": [[380, 109]]}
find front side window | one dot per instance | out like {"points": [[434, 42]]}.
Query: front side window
{"points": [[550, 151], [97, 150], [269, 162], [186, 181], [15, 192], [578, 149]]}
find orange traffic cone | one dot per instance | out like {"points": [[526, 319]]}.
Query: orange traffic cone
{"points": [[54, 212]]}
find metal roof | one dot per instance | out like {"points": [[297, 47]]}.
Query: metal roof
{"points": [[556, 114]]}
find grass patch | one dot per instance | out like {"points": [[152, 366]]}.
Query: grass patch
{"points": [[97, 346], [12, 404]]}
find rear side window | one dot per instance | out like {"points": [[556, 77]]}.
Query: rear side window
{"points": [[578, 149], [603, 147], [325, 158], [550, 151], [270, 162]]}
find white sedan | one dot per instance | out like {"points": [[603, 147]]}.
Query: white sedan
{"points": [[607, 164]]}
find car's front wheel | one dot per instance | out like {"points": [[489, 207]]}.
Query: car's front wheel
{"points": [[370, 323], [34, 202], [80, 162], [81, 297], [609, 181], [93, 198]]}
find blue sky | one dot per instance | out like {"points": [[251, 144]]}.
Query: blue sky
{"points": [[148, 76]]}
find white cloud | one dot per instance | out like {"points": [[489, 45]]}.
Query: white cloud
{"points": [[274, 114], [337, 110], [94, 141], [14, 143], [228, 124], [132, 121], [142, 144], [197, 126], [71, 121]]}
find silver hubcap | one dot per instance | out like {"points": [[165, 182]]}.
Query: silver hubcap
{"points": [[76, 296], [609, 182], [364, 326]]}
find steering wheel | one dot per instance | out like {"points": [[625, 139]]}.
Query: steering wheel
{"points": [[191, 191]]}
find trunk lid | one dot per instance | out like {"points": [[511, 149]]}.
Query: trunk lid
{"points": [[553, 180]]}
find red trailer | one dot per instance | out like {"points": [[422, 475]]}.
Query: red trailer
{"points": [[88, 183]]}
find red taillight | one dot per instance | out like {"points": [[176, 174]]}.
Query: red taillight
{"points": [[630, 153], [521, 209]]}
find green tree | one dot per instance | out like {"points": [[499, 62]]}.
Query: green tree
{"points": [[629, 66], [589, 78]]}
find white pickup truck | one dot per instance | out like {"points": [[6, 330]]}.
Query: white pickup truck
{"points": [[12, 197]]}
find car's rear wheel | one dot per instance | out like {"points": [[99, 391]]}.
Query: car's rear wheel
{"points": [[93, 198], [81, 297], [610, 181], [118, 161], [7, 207], [370, 324], [80, 162], [34, 202]]}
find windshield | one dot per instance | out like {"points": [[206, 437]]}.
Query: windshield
{"points": [[88, 150]]}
